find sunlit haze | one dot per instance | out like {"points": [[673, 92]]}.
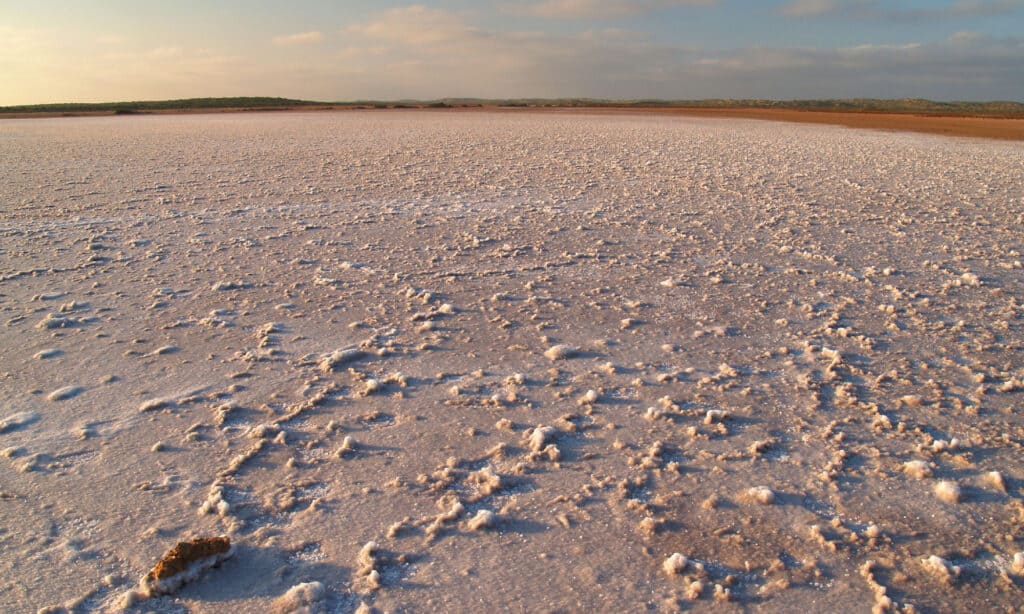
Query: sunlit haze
{"points": [[63, 51]]}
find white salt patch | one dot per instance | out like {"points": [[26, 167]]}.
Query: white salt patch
{"points": [[912, 400], [397, 527], [995, 479], [263, 431], [762, 495], [215, 502], [560, 352], [55, 321], [482, 520], [228, 285], [918, 469], [715, 415], [1018, 562], [367, 562], [675, 564], [64, 393], [365, 557], [18, 420], [948, 491], [304, 598], [488, 480], [153, 404], [456, 512], [348, 446], [373, 580], [721, 593], [540, 436], [941, 568], [340, 357], [831, 354]]}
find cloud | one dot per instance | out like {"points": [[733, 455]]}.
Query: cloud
{"points": [[425, 53], [415, 25], [600, 9], [301, 38], [417, 52], [810, 8], [110, 39], [432, 53], [978, 8], [965, 66], [893, 11], [21, 38]]}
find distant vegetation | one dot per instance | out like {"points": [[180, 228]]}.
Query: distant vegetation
{"points": [[873, 105], [865, 105], [143, 106]]}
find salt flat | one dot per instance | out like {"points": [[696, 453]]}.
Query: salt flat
{"points": [[435, 361]]}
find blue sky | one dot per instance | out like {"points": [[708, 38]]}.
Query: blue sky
{"points": [[55, 51]]}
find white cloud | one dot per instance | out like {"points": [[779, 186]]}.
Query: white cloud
{"points": [[419, 52], [983, 7], [429, 53], [301, 38], [18, 39], [415, 25], [963, 67], [600, 9], [110, 39], [895, 10], [810, 8]]}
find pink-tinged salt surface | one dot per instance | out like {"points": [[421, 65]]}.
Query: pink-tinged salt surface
{"points": [[417, 361]]}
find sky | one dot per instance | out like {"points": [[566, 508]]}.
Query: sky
{"points": [[114, 50]]}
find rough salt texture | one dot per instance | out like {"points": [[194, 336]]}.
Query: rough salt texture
{"points": [[842, 326]]}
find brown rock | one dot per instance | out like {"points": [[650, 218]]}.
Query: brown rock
{"points": [[184, 554]]}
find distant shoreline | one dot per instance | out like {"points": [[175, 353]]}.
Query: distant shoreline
{"points": [[977, 125]]}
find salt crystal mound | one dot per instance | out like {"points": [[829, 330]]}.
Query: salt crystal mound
{"points": [[17, 420], [832, 314], [303, 598]]}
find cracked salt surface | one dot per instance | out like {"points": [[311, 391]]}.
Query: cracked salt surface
{"points": [[549, 361]]}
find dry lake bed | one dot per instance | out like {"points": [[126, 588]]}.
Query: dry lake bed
{"points": [[414, 361]]}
